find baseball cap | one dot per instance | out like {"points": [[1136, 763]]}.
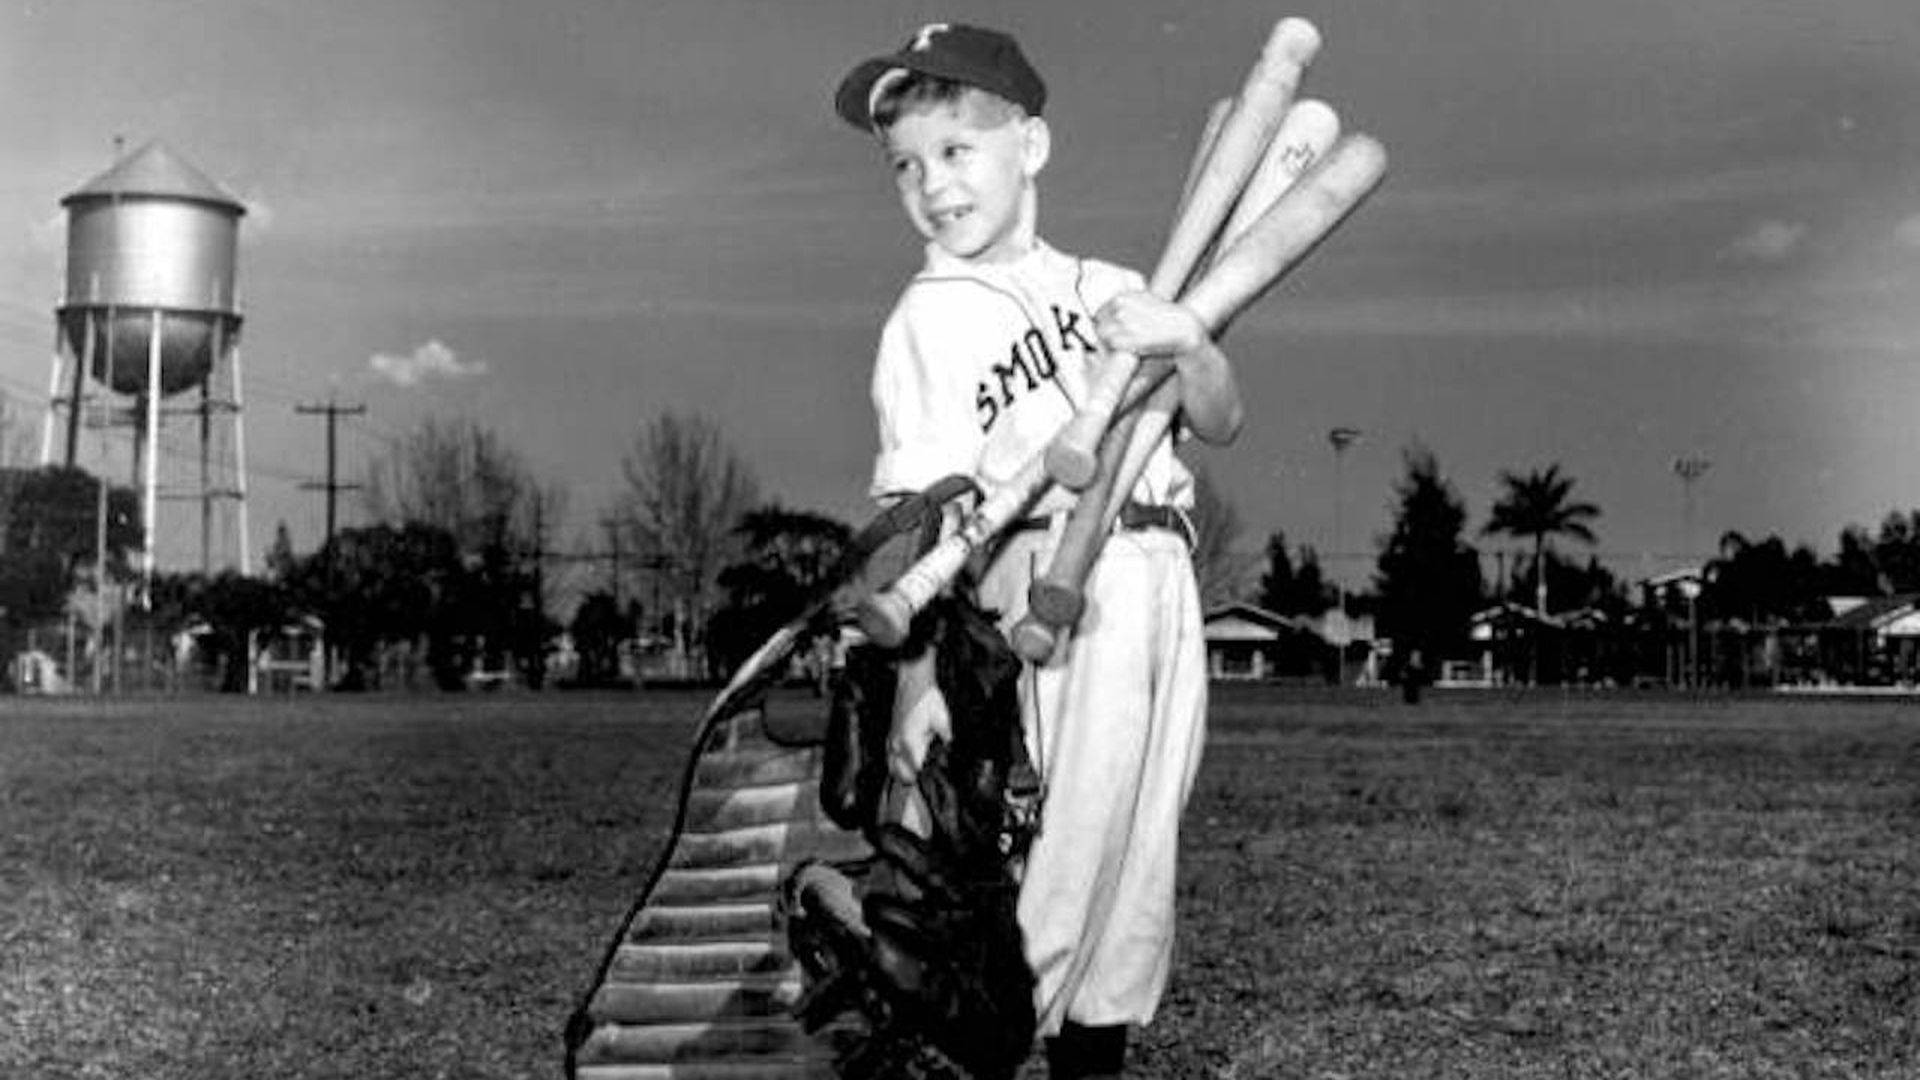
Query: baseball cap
{"points": [[972, 55]]}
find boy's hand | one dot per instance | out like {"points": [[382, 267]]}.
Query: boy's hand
{"points": [[919, 716], [1148, 326]]}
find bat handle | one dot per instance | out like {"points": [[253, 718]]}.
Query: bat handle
{"points": [[1052, 608], [1033, 640], [1073, 454], [1057, 599], [887, 616]]}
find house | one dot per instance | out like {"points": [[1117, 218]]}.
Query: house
{"points": [[1508, 639], [1245, 641], [1514, 644], [288, 658], [1871, 641]]}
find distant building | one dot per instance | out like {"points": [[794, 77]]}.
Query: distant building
{"points": [[1245, 641]]}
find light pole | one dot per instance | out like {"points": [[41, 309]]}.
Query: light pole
{"points": [[1340, 438], [1690, 469]]}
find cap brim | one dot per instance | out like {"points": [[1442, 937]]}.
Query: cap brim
{"points": [[852, 101]]}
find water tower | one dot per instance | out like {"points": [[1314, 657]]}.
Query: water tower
{"points": [[147, 341]]}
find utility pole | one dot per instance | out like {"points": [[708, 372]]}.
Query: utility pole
{"points": [[612, 525], [333, 411]]}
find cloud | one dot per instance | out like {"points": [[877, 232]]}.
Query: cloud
{"points": [[434, 360], [260, 213], [1769, 241], [1907, 233]]}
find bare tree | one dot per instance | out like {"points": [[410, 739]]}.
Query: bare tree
{"points": [[686, 492], [1222, 570], [460, 477]]}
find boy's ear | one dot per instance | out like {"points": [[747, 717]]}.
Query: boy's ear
{"points": [[1036, 145]]}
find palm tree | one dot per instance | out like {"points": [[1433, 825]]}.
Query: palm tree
{"points": [[1539, 506]]}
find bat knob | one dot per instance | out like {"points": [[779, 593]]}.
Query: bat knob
{"points": [[1072, 467], [1034, 640], [1054, 605], [886, 618]]}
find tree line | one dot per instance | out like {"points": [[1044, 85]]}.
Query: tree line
{"points": [[1429, 579], [458, 567]]}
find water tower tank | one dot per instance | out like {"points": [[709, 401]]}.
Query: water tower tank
{"points": [[151, 234]]}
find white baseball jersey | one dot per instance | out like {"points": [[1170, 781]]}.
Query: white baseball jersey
{"points": [[979, 365]]}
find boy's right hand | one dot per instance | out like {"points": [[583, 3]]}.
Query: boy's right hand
{"points": [[919, 716]]}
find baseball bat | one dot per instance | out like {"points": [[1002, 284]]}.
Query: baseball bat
{"points": [[1056, 599], [1308, 132], [885, 616], [1245, 133], [1273, 244], [1209, 135]]}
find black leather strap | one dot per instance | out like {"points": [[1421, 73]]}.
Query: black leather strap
{"points": [[1133, 517]]}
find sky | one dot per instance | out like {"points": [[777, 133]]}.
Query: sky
{"points": [[1613, 236]]}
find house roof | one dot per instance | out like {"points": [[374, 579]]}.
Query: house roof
{"points": [[1874, 613], [1675, 577], [1245, 621], [1509, 612]]}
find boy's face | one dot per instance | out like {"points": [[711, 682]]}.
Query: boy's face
{"points": [[964, 174]]}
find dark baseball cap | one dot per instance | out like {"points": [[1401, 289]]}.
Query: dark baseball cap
{"points": [[973, 55]]}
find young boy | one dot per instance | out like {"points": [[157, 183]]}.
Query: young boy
{"points": [[982, 360]]}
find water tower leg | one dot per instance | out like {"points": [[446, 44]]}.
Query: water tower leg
{"points": [[240, 466], [206, 479], [154, 332], [53, 402], [80, 386]]}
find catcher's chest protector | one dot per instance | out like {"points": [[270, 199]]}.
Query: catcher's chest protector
{"points": [[784, 933]]}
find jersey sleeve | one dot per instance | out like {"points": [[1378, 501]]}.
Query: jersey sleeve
{"points": [[923, 391], [1102, 281]]}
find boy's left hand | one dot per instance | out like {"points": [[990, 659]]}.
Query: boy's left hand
{"points": [[1148, 326]]}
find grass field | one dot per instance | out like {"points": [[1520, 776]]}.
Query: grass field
{"points": [[1540, 886]]}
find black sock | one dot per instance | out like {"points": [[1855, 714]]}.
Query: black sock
{"points": [[1080, 1051]]}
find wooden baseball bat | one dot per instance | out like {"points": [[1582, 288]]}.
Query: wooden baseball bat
{"points": [[1056, 599], [1073, 456], [1273, 244], [1308, 132], [1217, 115], [885, 616]]}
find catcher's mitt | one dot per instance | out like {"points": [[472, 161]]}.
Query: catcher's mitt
{"points": [[917, 950]]}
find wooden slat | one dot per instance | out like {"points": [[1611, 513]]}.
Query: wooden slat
{"points": [[784, 842], [733, 1039], [676, 960], [761, 1069], [721, 884], [733, 998], [727, 922], [740, 768], [715, 809]]}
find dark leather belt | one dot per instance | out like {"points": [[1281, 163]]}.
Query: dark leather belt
{"points": [[1133, 517]]}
